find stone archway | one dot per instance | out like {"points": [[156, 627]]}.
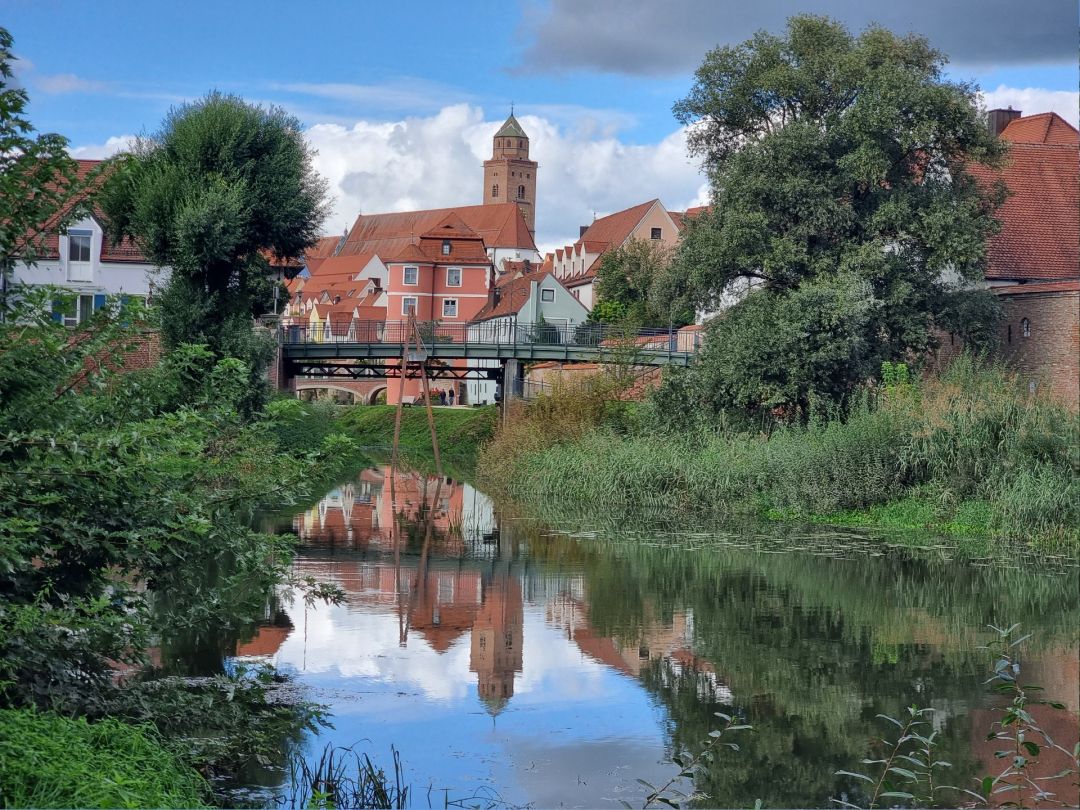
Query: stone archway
{"points": [[373, 397]]}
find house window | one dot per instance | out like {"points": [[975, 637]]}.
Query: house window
{"points": [[1025, 327], [412, 276], [449, 307], [521, 192], [495, 190], [453, 276], [656, 233], [78, 246], [76, 310], [408, 304], [547, 295], [445, 247]]}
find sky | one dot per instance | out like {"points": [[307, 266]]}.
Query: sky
{"points": [[401, 99]]}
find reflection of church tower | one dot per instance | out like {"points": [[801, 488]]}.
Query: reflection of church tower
{"points": [[510, 176], [495, 654]]}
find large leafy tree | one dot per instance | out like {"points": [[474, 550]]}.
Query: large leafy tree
{"points": [[223, 185], [39, 184], [834, 160], [631, 285]]}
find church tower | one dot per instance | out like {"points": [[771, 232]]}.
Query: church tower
{"points": [[510, 176]]}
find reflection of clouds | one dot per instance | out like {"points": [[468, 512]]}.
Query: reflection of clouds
{"points": [[553, 664], [364, 644]]}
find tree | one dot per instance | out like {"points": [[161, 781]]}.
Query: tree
{"points": [[39, 185], [837, 160], [632, 283], [221, 186]]}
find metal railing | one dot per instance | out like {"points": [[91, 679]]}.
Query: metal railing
{"points": [[583, 335]]}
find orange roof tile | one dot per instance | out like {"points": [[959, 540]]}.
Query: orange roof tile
{"points": [[614, 229], [1040, 221], [512, 297], [499, 225], [1046, 127]]}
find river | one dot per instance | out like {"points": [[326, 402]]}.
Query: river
{"points": [[516, 663]]}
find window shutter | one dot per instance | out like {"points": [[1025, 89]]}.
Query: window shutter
{"points": [[99, 302], [58, 310]]}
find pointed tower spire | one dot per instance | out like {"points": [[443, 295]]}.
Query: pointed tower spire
{"points": [[510, 176]]}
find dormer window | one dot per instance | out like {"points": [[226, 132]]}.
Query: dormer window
{"points": [[445, 247], [78, 246]]}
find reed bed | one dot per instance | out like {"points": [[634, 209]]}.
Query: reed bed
{"points": [[968, 442]]}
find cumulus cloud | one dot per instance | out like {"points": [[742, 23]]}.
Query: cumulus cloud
{"points": [[97, 151], [436, 161], [666, 38], [1031, 100]]}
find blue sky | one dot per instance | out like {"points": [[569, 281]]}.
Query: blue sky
{"points": [[593, 81]]}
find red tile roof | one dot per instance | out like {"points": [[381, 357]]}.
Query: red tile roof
{"points": [[1040, 221], [512, 297], [614, 229], [1043, 287], [499, 225], [1042, 128], [125, 251]]}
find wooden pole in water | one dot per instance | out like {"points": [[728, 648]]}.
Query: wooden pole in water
{"points": [[427, 398]]}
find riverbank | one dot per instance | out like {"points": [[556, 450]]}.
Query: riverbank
{"points": [[967, 454], [461, 431]]}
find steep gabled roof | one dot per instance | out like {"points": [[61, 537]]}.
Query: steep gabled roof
{"points": [[513, 295], [500, 225], [614, 229], [1044, 128], [1040, 221]]}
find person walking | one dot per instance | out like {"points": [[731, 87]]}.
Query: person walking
{"points": [[442, 397], [450, 397]]}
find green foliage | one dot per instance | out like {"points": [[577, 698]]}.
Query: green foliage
{"points": [[39, 185], [633, 283], [461, 431], [839, 180], [51, 761], [223, 185], [972, 447]]}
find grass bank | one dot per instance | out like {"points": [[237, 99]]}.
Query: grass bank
{"points": [[461, 431], [51, 761], [967, 453]]}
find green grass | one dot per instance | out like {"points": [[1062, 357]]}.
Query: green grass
{"points": [[51, 761], [461, 431]]}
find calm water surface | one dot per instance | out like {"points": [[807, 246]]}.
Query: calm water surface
{"points": [[556, 665]]}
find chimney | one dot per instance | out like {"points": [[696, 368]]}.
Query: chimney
{"points": [[581, 230], [527, 266], [998, 119]]}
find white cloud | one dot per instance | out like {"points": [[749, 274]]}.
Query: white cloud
{"points": [[1031, 100], [68, 83], [115, 144], [436, 161]]}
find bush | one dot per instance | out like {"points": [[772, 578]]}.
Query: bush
{"points": [[52, 761]]}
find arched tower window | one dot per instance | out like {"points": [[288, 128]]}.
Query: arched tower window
{"points": [[521, 144], [1025, 327], [495, 190], [521, 192]]}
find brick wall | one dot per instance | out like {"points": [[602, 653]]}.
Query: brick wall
{"points": [[1047, 354]]}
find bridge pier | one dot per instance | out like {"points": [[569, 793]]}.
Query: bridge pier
{"points": [[513, 375]]}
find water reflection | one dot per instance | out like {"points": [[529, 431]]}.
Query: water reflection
{"points": [[558, 671]]}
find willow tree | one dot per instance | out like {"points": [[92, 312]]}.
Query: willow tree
{"points": [[838, 169], [223, 185]]}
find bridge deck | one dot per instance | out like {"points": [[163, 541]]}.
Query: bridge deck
{"points": [[385, 340]]}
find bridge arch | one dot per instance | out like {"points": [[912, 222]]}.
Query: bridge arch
{"points": [[328, 387], [373, 397]]}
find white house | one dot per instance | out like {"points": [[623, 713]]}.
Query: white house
{"points": [[513, 312]]}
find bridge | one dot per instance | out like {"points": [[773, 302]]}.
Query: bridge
{"points": [[372, 350]]}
